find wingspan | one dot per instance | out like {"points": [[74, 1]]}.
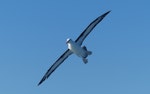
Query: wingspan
{"points": [[55, 65], [86, 32]]}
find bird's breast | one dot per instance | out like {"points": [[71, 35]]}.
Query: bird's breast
{"points": [[77, 49]]}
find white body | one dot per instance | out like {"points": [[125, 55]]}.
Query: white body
{"points": [[76, 49]]}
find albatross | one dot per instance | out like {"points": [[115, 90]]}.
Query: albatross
{"points": [[75, 47]]}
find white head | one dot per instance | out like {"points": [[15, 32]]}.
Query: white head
{"points": [[68, 40]]}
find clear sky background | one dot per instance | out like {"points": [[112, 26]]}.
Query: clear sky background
{"points": [[33, 35]]}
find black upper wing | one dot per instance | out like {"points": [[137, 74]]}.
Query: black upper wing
{"points": [[55, 65], [85, 33]]}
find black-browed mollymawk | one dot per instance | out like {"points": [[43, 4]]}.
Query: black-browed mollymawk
{"points": [[75, 47]]}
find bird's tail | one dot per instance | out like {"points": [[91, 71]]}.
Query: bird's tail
{"points": [[89, 52]]}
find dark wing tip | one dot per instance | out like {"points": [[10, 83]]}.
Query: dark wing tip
{"points": [[106, 13], [43, 79], [39, 83]]}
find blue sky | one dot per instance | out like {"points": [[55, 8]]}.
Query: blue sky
{"points": [[33, 35]]}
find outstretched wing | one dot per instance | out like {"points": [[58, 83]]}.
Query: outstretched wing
{"points": [[86, 32], [55, 65]]}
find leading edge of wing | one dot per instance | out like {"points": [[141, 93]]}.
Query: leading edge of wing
{"points": [[91, 26], [55, 65]]}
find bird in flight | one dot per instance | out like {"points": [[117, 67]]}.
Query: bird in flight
{"points": [[75, 47]]}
